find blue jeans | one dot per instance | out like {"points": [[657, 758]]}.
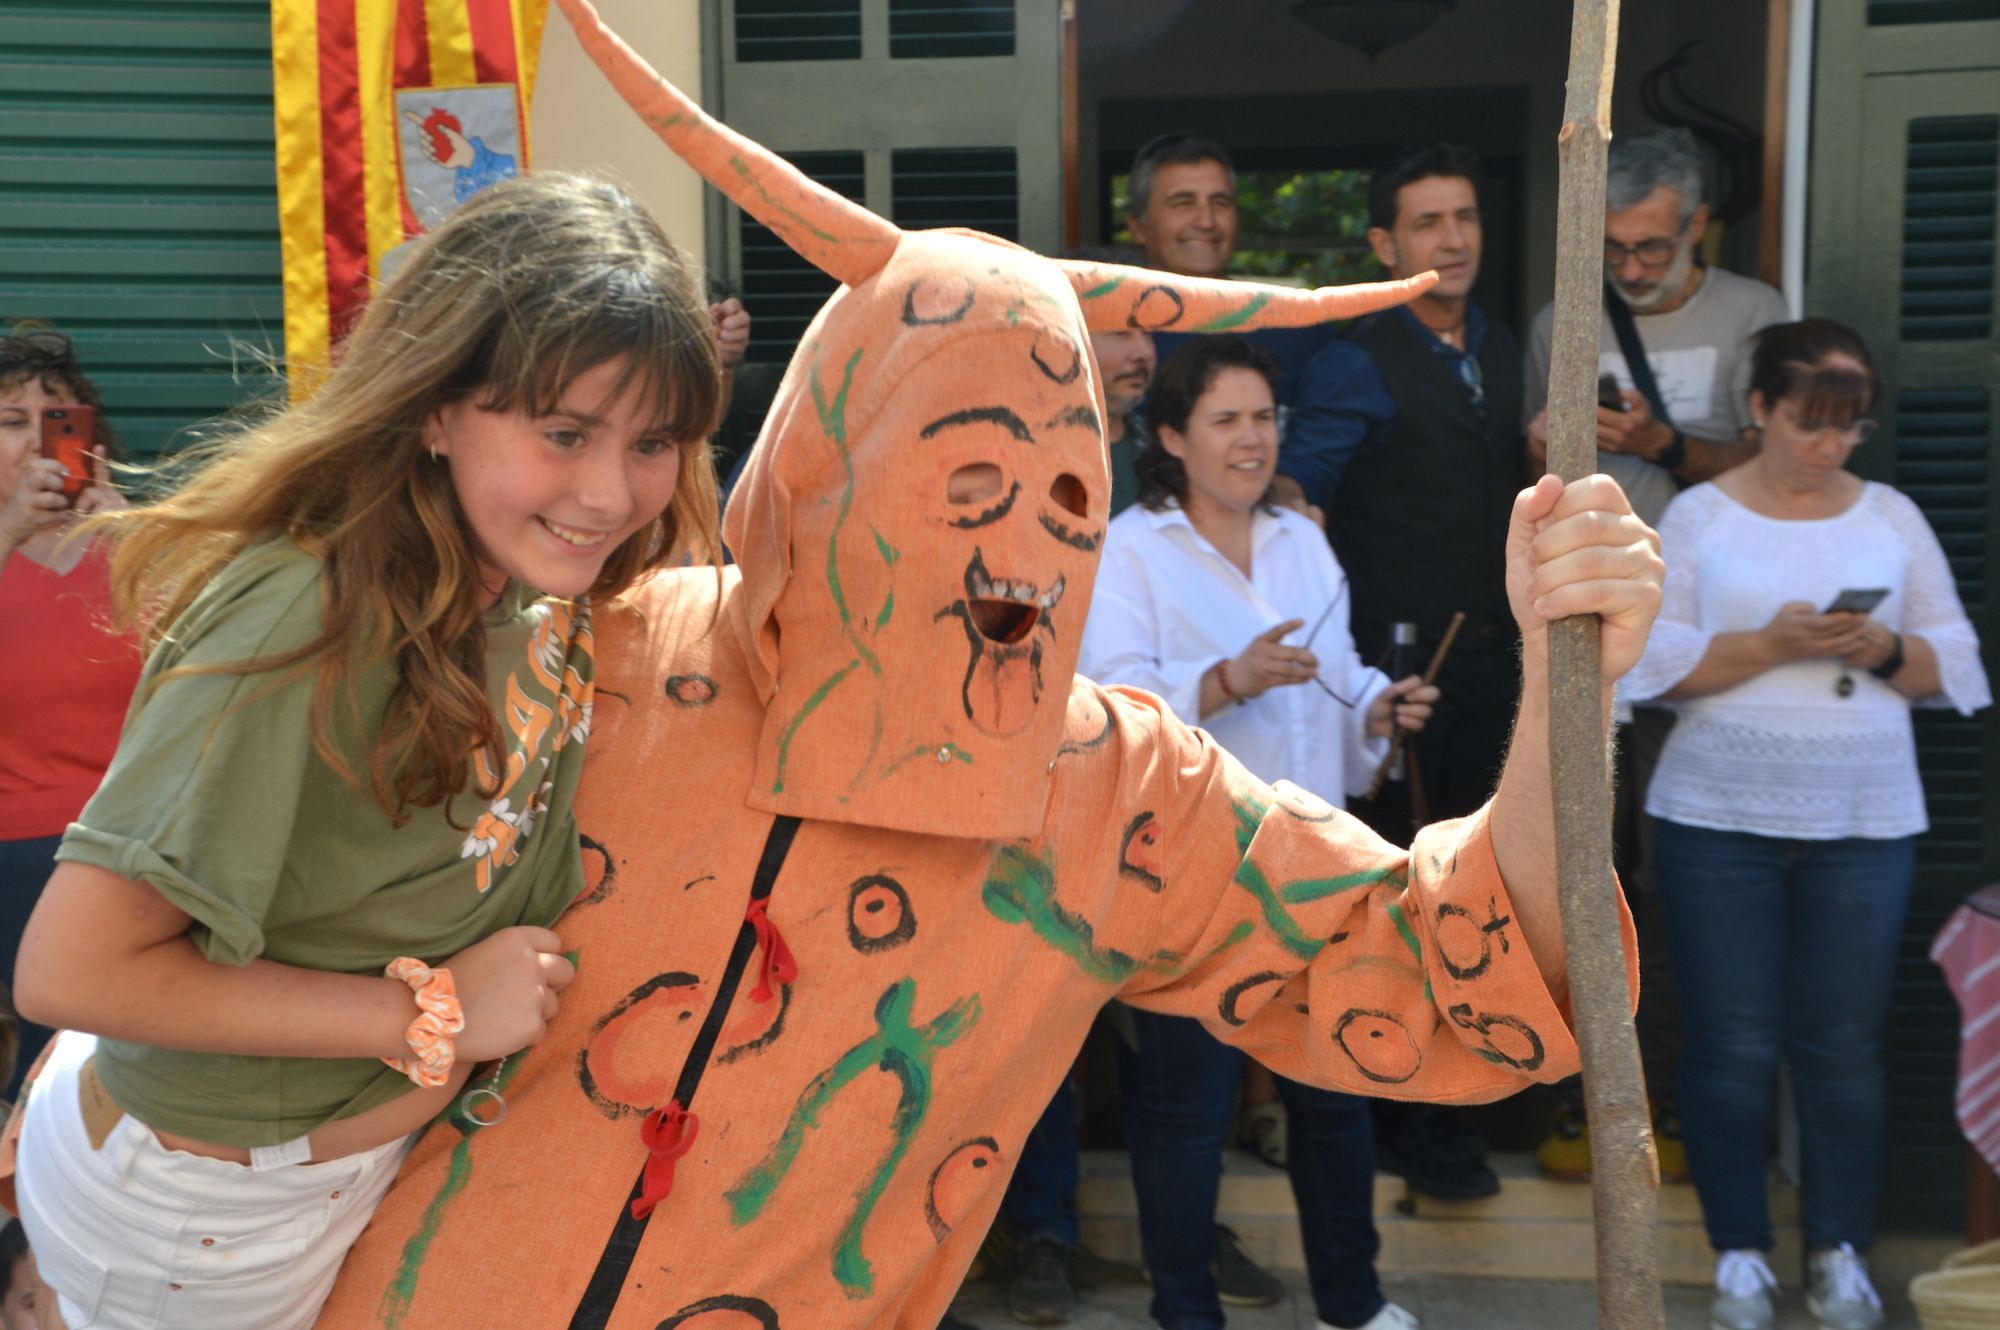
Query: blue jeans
{"points": [[1041, 1196], [1178, 1089], [25, 866], [1783, 949]]}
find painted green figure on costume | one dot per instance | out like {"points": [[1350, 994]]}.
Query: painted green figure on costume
{"points": [[905, 1052], [1021, 889]]}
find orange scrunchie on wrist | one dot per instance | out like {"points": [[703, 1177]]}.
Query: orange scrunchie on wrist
{"points": [[439, 1018]]}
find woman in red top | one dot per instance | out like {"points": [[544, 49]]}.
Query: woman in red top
{"points": [[64, 679]]}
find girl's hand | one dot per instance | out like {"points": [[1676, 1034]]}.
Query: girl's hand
{"points": [[1268, 663], [732, 331], [36, 505], [1798, 631], [1404, 705], [1578, 549], [507, 985]]}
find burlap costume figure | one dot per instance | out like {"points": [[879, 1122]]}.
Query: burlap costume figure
{"points": [[868, 858]]}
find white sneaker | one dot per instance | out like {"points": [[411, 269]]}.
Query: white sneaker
{"points": [[1838, 1293], [1391, 1317], [1743, 1288]]}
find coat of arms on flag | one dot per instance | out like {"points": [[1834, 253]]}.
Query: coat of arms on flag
{"points": [[454, 142], [390, 113]]}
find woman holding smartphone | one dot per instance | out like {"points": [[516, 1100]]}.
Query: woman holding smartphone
{"points": [[1806, 612], [64, 680]]}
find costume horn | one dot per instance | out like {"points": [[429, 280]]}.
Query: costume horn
{"points": [[1116, 297], [839, 237]]}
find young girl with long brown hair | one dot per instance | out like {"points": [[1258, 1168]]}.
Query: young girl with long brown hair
{"points": [[315, 888]]}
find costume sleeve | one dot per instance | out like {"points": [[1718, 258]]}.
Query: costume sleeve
{"points": [[201, 798], [1341, 398], [1292, 931], [1933, 611], [1120, 639], [1535, 364], [1678, 641]]}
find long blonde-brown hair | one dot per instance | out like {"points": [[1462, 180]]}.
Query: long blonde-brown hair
{"points": [[530, 284]]}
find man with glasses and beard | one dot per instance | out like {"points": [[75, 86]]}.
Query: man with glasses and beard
{"points": [[1694, 323], [1677, 339]]}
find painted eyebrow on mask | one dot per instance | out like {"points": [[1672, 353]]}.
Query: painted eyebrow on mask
{"points": [[980, 415], [1084, 416]]}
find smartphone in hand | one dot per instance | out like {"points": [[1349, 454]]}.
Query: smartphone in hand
{"points": [[1857, 600], [1608, 395], [69, 436]]}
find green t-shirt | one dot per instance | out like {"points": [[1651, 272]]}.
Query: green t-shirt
{"points": [[218, 799]]}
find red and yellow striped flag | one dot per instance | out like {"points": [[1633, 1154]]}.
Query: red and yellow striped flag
{"points": [[379, 108]]}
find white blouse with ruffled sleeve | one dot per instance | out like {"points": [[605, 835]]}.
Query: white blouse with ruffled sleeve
{"points": [[1168, 606], [1783, 753]]}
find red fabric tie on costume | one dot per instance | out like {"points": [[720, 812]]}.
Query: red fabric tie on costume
{"points": [[668, 1133], [778, 964]]}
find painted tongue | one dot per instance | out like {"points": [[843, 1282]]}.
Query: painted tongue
{"points": [[1006, 682]]}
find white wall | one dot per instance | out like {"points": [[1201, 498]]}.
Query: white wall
{"points": [[579, 123]]}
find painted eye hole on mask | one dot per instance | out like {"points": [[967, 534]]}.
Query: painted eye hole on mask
{"points": [[1069, 495], [978, 486]]}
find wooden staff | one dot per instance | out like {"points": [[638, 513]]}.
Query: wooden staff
{"points": [[1624, 1175]]}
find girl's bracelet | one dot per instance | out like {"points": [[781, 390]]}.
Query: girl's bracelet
{"points": [[439, 1019]]}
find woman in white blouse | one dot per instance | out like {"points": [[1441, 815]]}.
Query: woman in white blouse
{"points": [[1201, 585], [1788, 805]]}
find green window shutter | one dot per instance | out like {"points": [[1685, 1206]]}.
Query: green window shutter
{"points": [[798, 30], [783, 291], [1889, 13], [1943, 438], [1951, 185], [971, 187], [950, 29], [138, 207]]}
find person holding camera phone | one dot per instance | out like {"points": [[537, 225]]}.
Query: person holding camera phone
{"points": [[57, 731], [1806, 612]]}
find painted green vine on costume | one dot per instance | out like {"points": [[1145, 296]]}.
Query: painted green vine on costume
{"points": [[1307, 890], [1021, 889], [905, 1052], [890, 554], [1251, 878], [1103, 289], [951, 750], [791, 730], [1237, 317], [742, 168], [402, 1290], [833, 421], [1410, 940], [1250, 813]]}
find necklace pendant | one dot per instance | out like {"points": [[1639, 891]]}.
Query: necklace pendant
{"points": [[1844, 685]]}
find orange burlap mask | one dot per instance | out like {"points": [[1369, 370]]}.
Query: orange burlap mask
{"points": [[915, 652]]}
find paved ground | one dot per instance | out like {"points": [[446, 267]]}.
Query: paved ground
{"points": [[1440, 1303]]}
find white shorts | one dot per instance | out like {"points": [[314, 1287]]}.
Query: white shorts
{"points": [[134, 1236]]}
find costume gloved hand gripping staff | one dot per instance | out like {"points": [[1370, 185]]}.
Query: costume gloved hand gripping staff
{"points": [[862, 763]]}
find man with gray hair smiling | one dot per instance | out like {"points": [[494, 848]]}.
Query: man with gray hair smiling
{"points": [[1682, 411]]}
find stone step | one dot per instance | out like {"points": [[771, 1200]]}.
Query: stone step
{"points": [[1536, 1228]]}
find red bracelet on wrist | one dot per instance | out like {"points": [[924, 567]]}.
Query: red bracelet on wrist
{"points": [[1222, 682]]}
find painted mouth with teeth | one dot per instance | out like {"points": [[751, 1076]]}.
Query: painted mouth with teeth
{"points": [[1004, 611], [1005, 620]]}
